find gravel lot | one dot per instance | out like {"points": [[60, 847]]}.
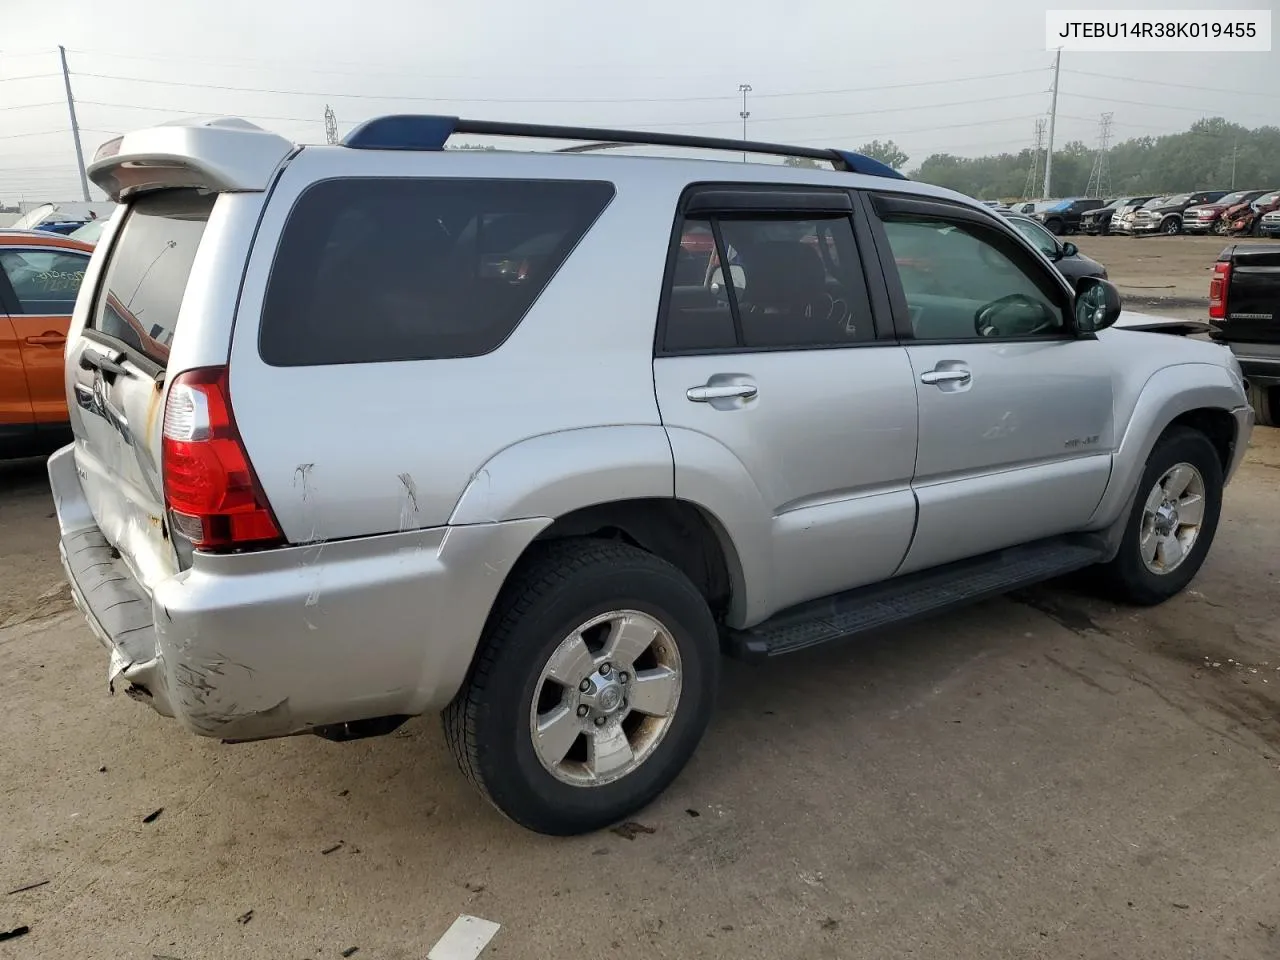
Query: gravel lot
{"points": [[1039, 776]]}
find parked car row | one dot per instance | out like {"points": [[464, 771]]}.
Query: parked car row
{"points": [[1235, 213]]}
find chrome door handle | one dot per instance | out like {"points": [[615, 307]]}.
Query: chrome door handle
{"points": [[721, 391], [946, 376]]}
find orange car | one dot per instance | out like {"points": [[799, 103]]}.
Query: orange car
{"points": [[40, 275]]}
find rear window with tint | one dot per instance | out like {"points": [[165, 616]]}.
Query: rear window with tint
{"points": [[148, 270], [373, 270]]}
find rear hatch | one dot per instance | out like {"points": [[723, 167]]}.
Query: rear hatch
{"points": [[116, 371]]}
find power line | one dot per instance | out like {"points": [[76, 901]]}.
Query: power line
{"points": [[566, 100], [1181, 86], [646, 123], [30, 106], [362, 70], [30, 76], [1155, 106]]}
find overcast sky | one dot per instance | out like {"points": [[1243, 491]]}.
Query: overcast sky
{"points": [[932, 75]]}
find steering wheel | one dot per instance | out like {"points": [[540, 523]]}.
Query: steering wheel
{"points": [[984, 319]]}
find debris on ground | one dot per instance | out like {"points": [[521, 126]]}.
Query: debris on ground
{"points": [[29, 886], [349, 951], [334, 849], [153, 816], [244, 917], [630, 830], [15, 933]]}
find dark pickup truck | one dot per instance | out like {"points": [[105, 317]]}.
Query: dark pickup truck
{"points": [[1244, 308]]}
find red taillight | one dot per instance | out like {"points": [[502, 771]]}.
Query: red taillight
{"points": [[210, 490], [1218, 284]]}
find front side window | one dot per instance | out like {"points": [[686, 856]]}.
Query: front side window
{"points": [[146, 276], [963, 281], [45, 282], [381, 270], [791, 283]]}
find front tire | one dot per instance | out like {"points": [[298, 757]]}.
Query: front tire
{"points": [[1171, 227], [593, 684], [1173, 521]]}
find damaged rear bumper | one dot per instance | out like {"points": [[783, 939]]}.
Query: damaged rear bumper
{"points": [[278, 642]]}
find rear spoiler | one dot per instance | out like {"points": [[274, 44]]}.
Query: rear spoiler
{"points": [[222, 155]]}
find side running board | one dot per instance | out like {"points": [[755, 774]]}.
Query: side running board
{"points": [[910, 597]]}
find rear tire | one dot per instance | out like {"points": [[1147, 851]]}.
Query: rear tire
{"points": [[1054, 227], [525, 681], [1135, 575], [1263, 400]]}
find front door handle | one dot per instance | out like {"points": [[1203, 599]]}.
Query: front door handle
{"points": [[946, 376], [721, 391], [47, 340]]}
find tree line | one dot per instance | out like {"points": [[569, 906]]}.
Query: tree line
{"points": [[1212, 154]]}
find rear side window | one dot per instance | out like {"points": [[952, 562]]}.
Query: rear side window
{"points": [[148, 270], [375, 270], [793, 283], [44, 281]]}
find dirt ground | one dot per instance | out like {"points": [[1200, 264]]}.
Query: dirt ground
{"points": [[1160, 274], [1045, 775]]}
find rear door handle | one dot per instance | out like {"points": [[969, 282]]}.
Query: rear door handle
{"points": [[47, 340], [721, 391], [946, 376]]}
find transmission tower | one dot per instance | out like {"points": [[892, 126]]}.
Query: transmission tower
{"points": [[1033, 175], [330, 125], [1099, 184]]}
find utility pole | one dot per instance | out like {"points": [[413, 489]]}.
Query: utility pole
{"points": [[1235, 145], [1053, 120], [745, 88], [75, 127], [1099, 184], [330, 125], [1033, 173]]}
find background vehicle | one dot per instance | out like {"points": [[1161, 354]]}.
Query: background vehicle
{"points": [[1065, 255], [1208, 217], [1165, 215], [63, 218], [1028, 207], [1244, 308], [89, 232], [1246, 219], [1064, 216], [1098, 222], [783, 453], [1269, 224], [1122, 221], [40, 276]]}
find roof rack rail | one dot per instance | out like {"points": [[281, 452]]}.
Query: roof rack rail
{"points": [[430, 132]]}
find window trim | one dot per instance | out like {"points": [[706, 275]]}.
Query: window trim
{"points": [[10, 302], [880, 204], [844, 204]]}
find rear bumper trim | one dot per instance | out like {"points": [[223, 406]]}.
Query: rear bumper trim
{"points": [[118, 612]]}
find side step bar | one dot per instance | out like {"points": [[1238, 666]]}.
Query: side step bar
{"points": [[915, 595]]}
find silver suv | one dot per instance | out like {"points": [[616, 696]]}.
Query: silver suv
{"points": [[369, 430]]}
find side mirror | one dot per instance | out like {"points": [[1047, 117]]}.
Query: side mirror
{"points": [[1097, 305], [1069, 249]]}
